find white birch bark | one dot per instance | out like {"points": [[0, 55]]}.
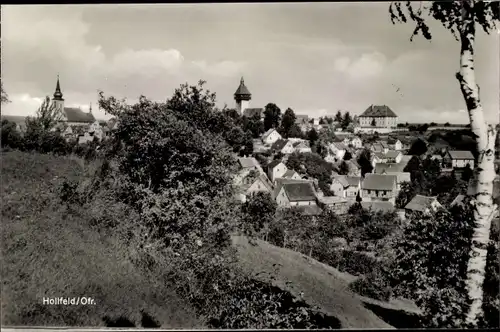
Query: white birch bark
{"points": [[484, 170]]}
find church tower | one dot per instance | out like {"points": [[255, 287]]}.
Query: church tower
{"points": [[242, 97], [58, 99]]}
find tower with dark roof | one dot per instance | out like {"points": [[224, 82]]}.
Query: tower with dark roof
{"points": [[242, 97], [58, 99]]}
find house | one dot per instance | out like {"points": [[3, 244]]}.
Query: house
{"points": [[339, 186], [354, 167], [335, 203], [356, 142], [87, 137], [377, 158], [284, 146], [276, 169], [378, 147], [271, 136], [378, 187], [249, 164], [296, 194], [251, 182], [378, 116], [346, 186], [291, 175], [393, 156], [395, 144], [393, 169], [378, 206], [459, 159], [302, 147], [338, 150], [424, 204]]}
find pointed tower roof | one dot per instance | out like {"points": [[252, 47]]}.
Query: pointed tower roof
{"points": [[242, 92], [58, 94], [90, 108]]}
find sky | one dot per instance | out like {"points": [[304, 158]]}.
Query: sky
{"points": [[316, 58]]}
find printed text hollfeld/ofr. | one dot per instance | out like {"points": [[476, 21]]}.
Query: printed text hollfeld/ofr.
{"points": [[68, 301]]}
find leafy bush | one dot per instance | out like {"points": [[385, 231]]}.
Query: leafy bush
{"points": [[10, 135], [257, 305], [356, 263], [369, 287], [418, 272]]}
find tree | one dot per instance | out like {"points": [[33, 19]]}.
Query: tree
{"points": [[374, 123], [417, 271], [338, 117], [253, 124], [346, 120], [258, 212], [47, 116], [4, 96], [418, 148], [272, 116], [347, 156], [288, 121], [467, 173], [461, 18], [364, 161], [405, 195], [312, 136], [295, 131], [343, 168]]}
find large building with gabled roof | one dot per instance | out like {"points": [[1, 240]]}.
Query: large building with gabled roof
{"points": [[378, 116]]}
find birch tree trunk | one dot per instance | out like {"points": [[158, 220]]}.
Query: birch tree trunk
{"points": [[484, 171]]}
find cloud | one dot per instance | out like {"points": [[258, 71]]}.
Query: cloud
{"points": [[366, 66], [38, 44]]}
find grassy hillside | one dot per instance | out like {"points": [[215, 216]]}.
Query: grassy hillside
{"points": [[48, 251], [321, 286]]}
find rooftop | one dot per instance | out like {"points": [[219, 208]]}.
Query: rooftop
{"points": [[378, 111], [279, 144], [303, 191], [379, 182], [249, 112], [74, 114], [467, 155], [273, 164], [242, 92], [249, 162], [420, 203]]}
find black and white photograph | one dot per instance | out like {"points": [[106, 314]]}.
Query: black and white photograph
{"points": [[260, 165]]}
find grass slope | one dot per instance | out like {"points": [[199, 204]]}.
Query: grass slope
{"points": [[50, 252], [321, 285]]}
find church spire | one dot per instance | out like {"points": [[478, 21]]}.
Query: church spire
{"points": [[58, 94], [90, 108]]}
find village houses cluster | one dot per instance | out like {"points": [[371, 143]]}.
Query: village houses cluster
{"points": [[377, 190]]}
